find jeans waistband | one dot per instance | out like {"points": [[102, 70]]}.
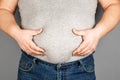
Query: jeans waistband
{"points": [[80, 61]]}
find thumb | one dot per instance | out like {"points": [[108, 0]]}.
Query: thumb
{"points": [[36, 32], [78, 32]]}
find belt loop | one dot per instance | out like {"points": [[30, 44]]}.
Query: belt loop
{"points": [[35, 60], [79, 63]]}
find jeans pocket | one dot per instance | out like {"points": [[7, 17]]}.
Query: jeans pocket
{"points": [[25, 63], [88, 64]]}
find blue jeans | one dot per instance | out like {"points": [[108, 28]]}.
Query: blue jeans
{"points": [[31, 68]]}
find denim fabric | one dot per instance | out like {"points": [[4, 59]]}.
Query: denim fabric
{"points": [[32, 68]]}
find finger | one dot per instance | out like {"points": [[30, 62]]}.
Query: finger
{"points": [[36, 32], [24, 47], [33, 52], [35, 47], [88, 47], [88, 52], [42, 54], [82, 46], [29, 50], [78, 32]]}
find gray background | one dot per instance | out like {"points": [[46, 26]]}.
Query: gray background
{"points": [[107, 55]]}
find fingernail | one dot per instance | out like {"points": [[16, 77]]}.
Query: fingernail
{"points": [[42, 50], [74, 52], [41, 29]]}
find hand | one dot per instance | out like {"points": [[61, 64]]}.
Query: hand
{"points": [[89, 44], [25, 41]]}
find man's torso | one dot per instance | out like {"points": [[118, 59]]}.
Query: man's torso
{"points": [[57, 18]]}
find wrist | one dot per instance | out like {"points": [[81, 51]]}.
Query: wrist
{"points": [[99, 32], [15, 32]]}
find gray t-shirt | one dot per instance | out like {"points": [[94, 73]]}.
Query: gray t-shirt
{"points": [[57, 18]]}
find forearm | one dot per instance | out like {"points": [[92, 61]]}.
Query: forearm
{"points": [[8, 23], [109, 20]]}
